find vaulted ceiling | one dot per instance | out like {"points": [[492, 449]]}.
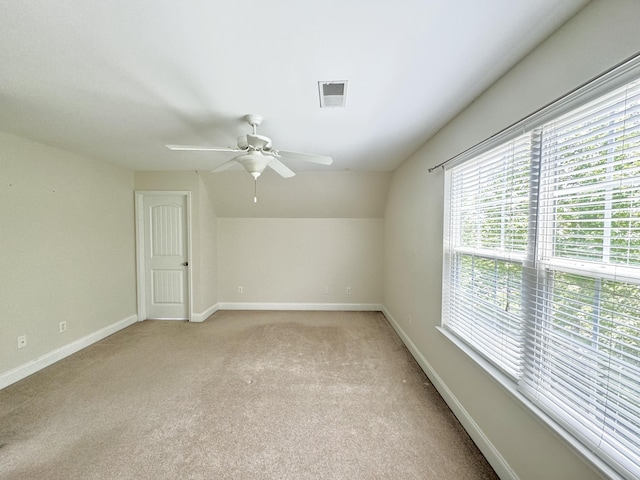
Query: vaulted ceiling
{"points": [[117, 80]]}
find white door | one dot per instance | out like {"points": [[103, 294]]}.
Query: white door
{"points": [[166, 256]]}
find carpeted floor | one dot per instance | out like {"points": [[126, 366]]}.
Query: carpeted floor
{"points": [[244, 395]]}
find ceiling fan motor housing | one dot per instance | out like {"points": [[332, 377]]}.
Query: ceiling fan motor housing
{"points": [[258, 142]]}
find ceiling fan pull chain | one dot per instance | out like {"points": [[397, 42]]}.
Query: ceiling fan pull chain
{"points": [[255, 190]]}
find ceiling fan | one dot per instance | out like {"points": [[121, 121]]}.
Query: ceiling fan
{"points": [[257, 153]]}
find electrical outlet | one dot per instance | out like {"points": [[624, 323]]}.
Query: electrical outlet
{"points": [[326, 290], [240, 290], [348, 290], [62, 327], [22, 341]]}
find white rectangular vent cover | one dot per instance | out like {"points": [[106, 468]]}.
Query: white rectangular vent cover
{"points": [[333, 94]]}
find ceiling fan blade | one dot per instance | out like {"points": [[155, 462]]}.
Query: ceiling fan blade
{"points": [[198, 148], [225, 166], [280, 168], [306, 157]]}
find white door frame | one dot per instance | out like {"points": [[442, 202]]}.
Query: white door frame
{"points": [[140, 252]]}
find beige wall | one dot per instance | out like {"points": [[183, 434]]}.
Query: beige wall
{"points": [[283, 260], [290, 260], [67, 238], [306, 195], [603, 34], [203, 231], [306, 234], [67, 246], [208, 276]]}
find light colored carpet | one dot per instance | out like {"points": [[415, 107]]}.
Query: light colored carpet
{"points": [[244, 395]]}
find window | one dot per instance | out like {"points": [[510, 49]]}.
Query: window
{"points": [[542, 268]]}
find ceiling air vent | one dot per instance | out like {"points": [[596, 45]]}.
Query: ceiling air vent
{"points": [[333, 94]]}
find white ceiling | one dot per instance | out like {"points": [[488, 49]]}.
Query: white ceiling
{"points": [[118, 79]]}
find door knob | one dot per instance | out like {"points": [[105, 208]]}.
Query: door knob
{"points": [[185, 264]]}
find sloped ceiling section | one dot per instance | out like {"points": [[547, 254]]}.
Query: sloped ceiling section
{"points": [[307, 195], [117, 80]]}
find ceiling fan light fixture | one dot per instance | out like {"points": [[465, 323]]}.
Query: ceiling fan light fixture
{"points": [[253, 162], [333, 93]]}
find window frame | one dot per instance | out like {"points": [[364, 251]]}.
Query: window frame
{"points": [[539, 255]]}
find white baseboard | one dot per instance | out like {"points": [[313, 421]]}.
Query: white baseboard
{"points": [[37, 364], [493, 456], [202, 316], [352, 307]]}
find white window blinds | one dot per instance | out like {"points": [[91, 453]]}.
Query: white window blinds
{"points": [[542, 269], [487, 238]]}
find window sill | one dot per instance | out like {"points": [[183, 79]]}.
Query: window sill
{"points": [[597, 464]]}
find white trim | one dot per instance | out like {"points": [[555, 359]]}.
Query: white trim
{"points": [[189, 255], [202, 316], [493, 456], [352, 307], [140, 280], [37, 364]]}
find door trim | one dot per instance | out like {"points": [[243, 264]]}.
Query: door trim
{"points": [[140, 252]]}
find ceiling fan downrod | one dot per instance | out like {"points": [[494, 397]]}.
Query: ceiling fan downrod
{"points": [[254, 120]]}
